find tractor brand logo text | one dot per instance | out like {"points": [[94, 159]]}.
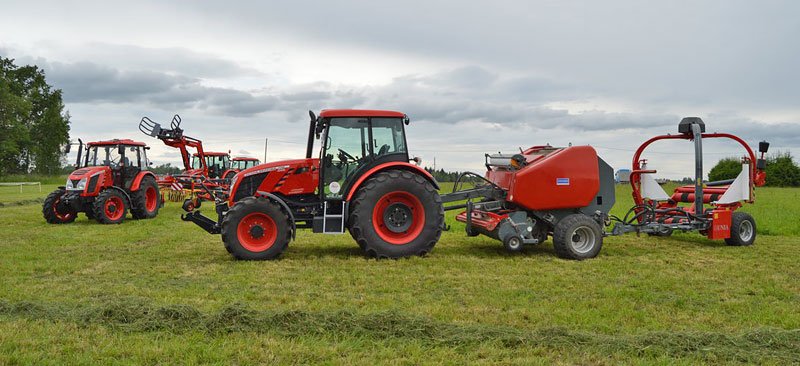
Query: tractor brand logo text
{"points": [[282, 167]]}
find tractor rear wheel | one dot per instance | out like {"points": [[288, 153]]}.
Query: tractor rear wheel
{"points": [[110, 207], [396, 214], [51, 211], [577, 236], [255, 229], [146, 201], [743, 230]]}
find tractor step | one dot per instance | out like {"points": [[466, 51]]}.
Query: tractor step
{"points": [[330, 222]]}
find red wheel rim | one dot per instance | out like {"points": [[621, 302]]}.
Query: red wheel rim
{"points": [[150, 199], [398, 217], [257, 232], [61, 216], [114, 208]]}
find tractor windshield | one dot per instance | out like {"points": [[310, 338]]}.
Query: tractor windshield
{"points": [[350, 143], [243, 164], [104, 155]]}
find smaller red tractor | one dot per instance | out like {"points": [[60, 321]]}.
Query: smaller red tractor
{"points": [[238, 164], [205, 167], [217, 163], [111, 179]]}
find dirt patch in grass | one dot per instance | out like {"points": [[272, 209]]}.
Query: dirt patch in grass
{"points": [[137, 315]]}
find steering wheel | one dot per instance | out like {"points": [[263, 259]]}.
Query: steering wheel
{"points": [[344, 156], [384, 149]]}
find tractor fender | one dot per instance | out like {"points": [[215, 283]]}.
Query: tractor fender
{"points": [[400, 165], [124, 193], [285, 207], [138, 180]]}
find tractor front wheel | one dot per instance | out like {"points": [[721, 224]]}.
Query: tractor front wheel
{"points": [[110, 207], [255, 229], [577, 236], [146, 201], [396, 214], [743, 230], [54, 212]]}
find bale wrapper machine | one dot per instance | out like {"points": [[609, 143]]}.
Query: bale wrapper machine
{"points": [[567, 193]]}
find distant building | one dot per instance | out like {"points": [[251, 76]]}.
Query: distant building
{"points": [[623, 176]]}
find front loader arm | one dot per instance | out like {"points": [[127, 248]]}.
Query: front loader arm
{"points": [[174, 137]]}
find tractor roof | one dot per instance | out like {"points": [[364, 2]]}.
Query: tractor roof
{"points": [[328, 113], [116, 142], [212, 153], [244, 158]]}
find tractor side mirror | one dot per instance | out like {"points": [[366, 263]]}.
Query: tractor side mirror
{"points": [[68, 147], [761, 164], [763, 146]]}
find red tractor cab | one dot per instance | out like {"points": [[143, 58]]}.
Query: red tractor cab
{"points": [[238, 164], [111, 179], [218, 163], [361, 183]]}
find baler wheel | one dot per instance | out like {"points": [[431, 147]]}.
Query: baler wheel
{"points": [[396, 214], [578, 237], [743, 230], [255, 229], [51, 212], [110, 207], [513, 243], [146, 201]]}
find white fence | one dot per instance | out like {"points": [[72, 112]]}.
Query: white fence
{"points": [[21, 184]]}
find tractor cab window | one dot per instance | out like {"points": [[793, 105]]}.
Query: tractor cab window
{"points": [[350, 143], [132, 157], [387, 136], [103, 155]]}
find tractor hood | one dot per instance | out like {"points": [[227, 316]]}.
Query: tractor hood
{"points": [[270, 177], [79, 179], [87, 172]]}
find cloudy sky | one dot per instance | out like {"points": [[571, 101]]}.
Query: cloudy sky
{"points": [[474, 77]]}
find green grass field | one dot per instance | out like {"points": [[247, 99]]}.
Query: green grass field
{"points": [[163, 291]]}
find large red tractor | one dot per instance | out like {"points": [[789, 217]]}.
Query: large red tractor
{"points": [[238, 164], [111, 179], [362, 183]]}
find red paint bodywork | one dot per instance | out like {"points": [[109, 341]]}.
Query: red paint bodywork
{"points": [[283, 177], [104, 180], [116, 142], [536, 185], [330, 113]]}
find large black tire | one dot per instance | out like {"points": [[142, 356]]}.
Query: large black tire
{"points": [[577, 237], [146, 200], [255, 229], [110, 207], [50, 209], [396, 214], [743, 230]]}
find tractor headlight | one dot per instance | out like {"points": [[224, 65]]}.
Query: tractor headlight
{"points": [[81, 185]]}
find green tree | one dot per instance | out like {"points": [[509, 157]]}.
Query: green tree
{"points": [[782, 171], [727, 168], [33, 123]]}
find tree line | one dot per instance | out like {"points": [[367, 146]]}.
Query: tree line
{"points": [[34, 127], [782, 171]]}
